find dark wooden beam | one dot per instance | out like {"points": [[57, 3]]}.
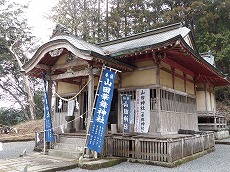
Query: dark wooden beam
{"points": [[68, 65], [80, 73]]}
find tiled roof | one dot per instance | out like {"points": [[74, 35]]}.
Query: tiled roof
{"points": [[144, 39], [129, 43]]}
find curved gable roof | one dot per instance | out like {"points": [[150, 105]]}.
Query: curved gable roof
{"points": [[79, 48], [80, 44]]}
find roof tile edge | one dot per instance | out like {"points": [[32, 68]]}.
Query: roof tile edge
{"points": [[142, 34]]}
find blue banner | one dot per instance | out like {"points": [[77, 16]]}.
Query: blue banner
{"points": [[125, 101], [49, 135], [101, 112]]}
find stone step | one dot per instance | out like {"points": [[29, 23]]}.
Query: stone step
{"points": [[80, 141], [65, 154], [69, 147]]}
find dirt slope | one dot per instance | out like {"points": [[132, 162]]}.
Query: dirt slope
{"points": [[30, 126], [26, 131]]}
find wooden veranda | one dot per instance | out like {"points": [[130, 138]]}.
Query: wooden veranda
{"points": [[167, 150]]}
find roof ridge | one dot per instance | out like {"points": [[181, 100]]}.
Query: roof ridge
{"points": [[78, 39], [142, 34]]}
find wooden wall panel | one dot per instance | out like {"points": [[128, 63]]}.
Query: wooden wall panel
{"points": [[179, 84], [173, 121], [153, 122], [190, 88], [64, 88], [138, 78], [201, 101], [166, 79]]}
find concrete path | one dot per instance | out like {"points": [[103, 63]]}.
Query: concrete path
{"points": [[15, 149], [224, 141], [37, 162], [44, 163]]}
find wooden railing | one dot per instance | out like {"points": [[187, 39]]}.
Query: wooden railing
{"points": [[157, 149], [209, 120]]}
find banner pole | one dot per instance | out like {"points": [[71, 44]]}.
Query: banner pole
{"points": [[94, 101], [44, 116], [44, 144], [47, 119]]}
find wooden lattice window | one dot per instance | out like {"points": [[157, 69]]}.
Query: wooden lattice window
{"points": [[153, 102], [167, 100]]}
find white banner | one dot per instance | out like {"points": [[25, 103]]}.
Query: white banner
{"points": [[142, 114]]}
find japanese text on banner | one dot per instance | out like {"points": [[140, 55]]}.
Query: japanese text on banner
{"points": [[101, 112], [142, 118], [49, 135], [125, 99]]}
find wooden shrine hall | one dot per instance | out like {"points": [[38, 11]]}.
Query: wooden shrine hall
{"points": [[163, 61]]}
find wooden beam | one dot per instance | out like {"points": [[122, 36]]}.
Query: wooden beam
{"points": [[42, 66], [147, 68], [178, 66], [69, 64], [66, 75], [176, 74]]}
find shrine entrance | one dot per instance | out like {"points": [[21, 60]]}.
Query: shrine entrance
{"points": [[113, 116]]}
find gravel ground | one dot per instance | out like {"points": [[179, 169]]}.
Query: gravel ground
{"points": [[14, 149], [213, 162]]}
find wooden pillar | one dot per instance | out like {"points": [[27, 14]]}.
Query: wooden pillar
{"points": [[158, 61], [214, 100], [194, 83], [158, 94], [215, 122], [49, 89], [185, 89], [56, 121], [119, 104], [81, 100], [173, 77], [206, 97], [90, 97], [90, 106]]}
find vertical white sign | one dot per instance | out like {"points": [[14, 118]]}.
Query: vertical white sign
{"points": [[142, 115]]}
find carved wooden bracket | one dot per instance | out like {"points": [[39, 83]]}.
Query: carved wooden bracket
{"points": [[56, 52]]}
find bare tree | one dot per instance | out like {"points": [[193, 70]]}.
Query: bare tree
{"points": [[15, 40]]}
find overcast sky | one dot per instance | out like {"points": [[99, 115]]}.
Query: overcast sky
{"points": [[42, 28]]}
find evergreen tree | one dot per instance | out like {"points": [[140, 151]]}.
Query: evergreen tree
{"points": [[79, 16]]}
